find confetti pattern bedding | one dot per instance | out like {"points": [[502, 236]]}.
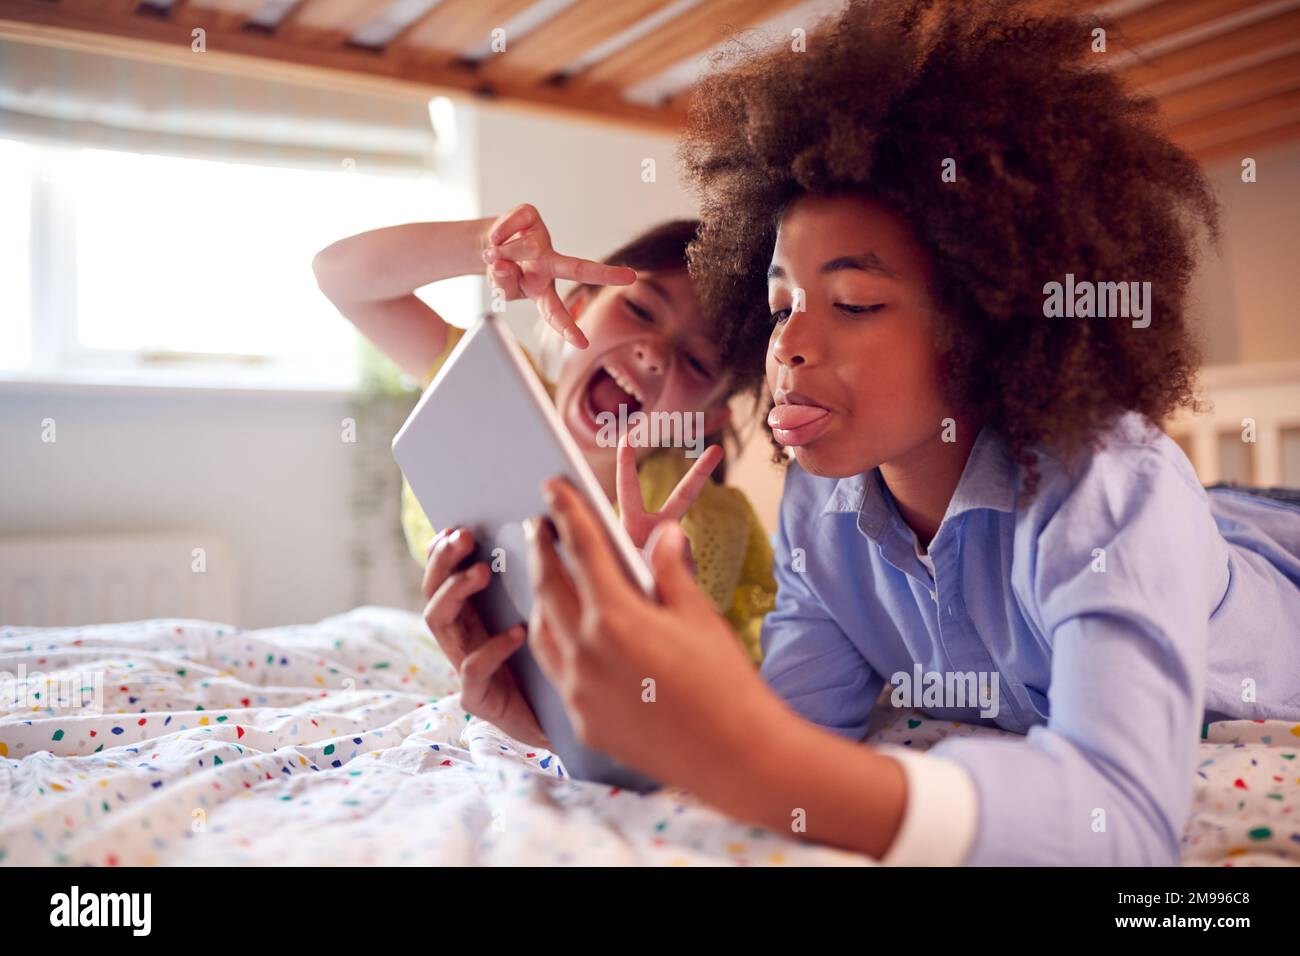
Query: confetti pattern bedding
{"points": [[343, 743]]}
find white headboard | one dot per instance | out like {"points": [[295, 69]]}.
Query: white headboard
{"points": [[1259, 401]]}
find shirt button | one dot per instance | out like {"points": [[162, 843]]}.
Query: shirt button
{"points": [[934, 597]]}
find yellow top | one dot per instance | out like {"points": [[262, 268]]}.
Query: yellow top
{"points": [[732, 554]]}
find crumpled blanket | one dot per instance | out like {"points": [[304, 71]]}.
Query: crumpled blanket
{"points": [[343, 743]]}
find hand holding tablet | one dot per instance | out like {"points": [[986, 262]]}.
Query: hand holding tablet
{"points": [[476, 450]]}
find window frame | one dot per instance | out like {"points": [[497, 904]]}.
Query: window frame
{"points": [[55, 351]]}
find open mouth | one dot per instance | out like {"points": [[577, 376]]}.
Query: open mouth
{"points": [[607, 389]]}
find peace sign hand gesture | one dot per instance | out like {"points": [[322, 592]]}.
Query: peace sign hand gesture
{"points": [[522, 263], [637, 522]]}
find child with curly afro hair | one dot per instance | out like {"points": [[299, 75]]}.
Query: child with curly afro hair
{"points": [[956, 251]]}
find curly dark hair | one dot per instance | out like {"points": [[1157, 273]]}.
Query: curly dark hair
{"points": [[1059, 169]]}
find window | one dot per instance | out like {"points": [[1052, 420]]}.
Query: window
{"points": [[158, 265], [15, 266]]}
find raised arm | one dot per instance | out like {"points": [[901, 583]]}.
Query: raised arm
{"points": [[371, 278]]}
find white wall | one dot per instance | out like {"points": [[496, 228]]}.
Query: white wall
{"points": [[585, 177], [1256, 298], [268, 469]]}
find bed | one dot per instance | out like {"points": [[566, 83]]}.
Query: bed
{"points": [[343, 743]]}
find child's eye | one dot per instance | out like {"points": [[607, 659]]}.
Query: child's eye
{"points": [[700, 368], [639, 311], [780, 315], [858, 309]]}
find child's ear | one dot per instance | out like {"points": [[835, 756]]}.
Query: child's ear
{"points": [[716, 417]]}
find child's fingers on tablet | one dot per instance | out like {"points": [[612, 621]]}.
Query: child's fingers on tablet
{"points": [[550, 578], [589, 272], [673, 567], [446, 552], [448, 602], [450, 636], [521, 217], [542, 643], [481, 664], [692, 483], [595, 568], [437, 536]]}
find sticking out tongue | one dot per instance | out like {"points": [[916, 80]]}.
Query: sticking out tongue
{"points": [[606, 395], [794, 416]]}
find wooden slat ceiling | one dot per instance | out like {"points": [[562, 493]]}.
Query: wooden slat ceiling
{"points": [[1227, 72]]}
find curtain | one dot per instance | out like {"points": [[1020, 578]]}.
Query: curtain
{"points": [[74, 98]]}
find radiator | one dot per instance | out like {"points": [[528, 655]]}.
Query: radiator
{"points": [[72, 580]]}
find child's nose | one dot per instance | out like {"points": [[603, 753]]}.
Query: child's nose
{"points": [[650, 355], [792, 346]]}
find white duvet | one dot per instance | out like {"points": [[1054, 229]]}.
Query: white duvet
{"points": [[344, 743]]}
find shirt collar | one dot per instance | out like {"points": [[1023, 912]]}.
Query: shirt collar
{"points": [[987, 481]]}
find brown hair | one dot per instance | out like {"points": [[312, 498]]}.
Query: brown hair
{"points": [[660, 248], [1059, 169]]}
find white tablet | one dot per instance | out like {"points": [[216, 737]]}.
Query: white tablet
{"points": [[475, 451]]}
